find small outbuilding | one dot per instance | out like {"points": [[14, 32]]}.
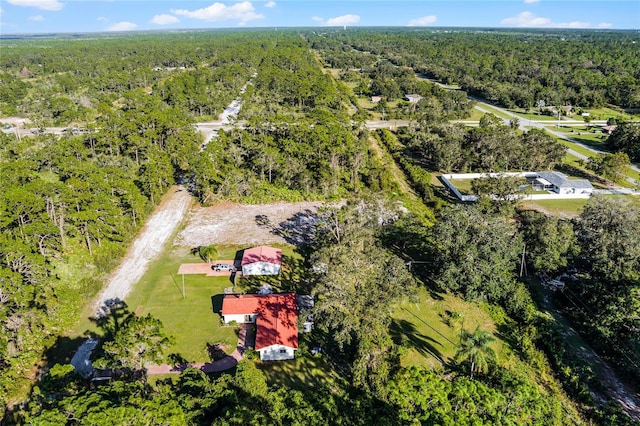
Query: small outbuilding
{"points": [[413, 98], [276, 319], [262, 260]]}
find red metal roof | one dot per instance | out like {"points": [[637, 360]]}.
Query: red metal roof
{"points": [[262, 254], [277, 321]]}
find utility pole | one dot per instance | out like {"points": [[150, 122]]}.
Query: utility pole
{"points": [[523, 266]]}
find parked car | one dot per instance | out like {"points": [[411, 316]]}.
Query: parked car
{"points": [[223, 267]]}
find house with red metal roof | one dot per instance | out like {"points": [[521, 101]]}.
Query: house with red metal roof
{"points": [[276, 319], [262, 260]]}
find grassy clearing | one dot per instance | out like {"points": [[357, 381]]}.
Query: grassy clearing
{"points": [[475, 115], [532, 115], [305, 371], [577, 148], [606, 113], [431, 338], [193, 319], [495, 111], [562, 208], [462, 185]]}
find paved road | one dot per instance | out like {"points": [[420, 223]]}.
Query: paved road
{"points": [[540, 125]]}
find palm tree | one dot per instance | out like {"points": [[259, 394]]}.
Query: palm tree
{"points": [[206, 253], [474, 347]]}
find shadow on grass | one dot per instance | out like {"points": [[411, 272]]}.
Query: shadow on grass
{"points": [[575, 171], [404, 333], [428, 325], [114, 313], [216, 303]]}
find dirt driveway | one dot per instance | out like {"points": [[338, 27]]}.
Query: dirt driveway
{"points": [[230, 223]]}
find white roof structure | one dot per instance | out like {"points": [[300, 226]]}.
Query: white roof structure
{"points": [[562, 181]]}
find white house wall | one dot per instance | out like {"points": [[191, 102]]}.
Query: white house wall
{"points": [[261, 268], [276, 353], [239, 318]]}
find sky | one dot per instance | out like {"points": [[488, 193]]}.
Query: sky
{"points": [[63, 16]]}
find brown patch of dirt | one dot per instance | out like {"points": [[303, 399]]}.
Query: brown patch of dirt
{"points": [[230, 223]]}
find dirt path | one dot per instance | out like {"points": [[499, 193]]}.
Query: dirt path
{"points": [[146, 247], [615, 389], [398, 175]]}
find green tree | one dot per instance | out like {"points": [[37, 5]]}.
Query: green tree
{"points": [[474, 348], [139, 342], [499, 193], [610, 166], [626, 138], [207, 253], [550, 242]]}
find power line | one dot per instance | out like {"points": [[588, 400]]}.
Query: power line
{"points": [[584, 311]]}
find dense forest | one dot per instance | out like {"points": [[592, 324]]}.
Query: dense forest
{"points": [[517, 68], [71, 203]]}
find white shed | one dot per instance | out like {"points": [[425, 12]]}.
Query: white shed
{"points": [[261, 260]]}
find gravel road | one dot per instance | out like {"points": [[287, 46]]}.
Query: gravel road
{"points": [[149, 244]]}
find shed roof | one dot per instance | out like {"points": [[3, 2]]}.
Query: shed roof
{"points": [[262, 254]]}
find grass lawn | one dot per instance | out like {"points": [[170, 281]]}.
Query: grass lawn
{"points": [[494, 111], [462, 185], [577, 148], [606, 113], [191, 320], [306, 370], [561, 208], [422, 327], [532, 115], [474, 115]]}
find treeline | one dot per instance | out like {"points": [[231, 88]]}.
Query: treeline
{"points": [[63, 81], [517, 68], [491, 147], [77, 200]]}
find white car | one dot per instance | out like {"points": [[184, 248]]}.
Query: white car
{"points": [[223, 267]]}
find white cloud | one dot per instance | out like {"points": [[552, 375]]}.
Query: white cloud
{"points": [[36, 18], [420, 22], [102, 19], [343, 20], [164, 19], [122, 26], [317, 19], [243, 12], [528, 19], [40, 4], [270, 4], [0, 11], [531, 1]]}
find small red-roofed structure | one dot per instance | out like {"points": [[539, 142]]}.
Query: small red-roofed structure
{"points": [[276, 319], [262, 260]]}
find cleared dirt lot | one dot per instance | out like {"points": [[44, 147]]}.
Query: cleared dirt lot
{"points": [[243, 224]]}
